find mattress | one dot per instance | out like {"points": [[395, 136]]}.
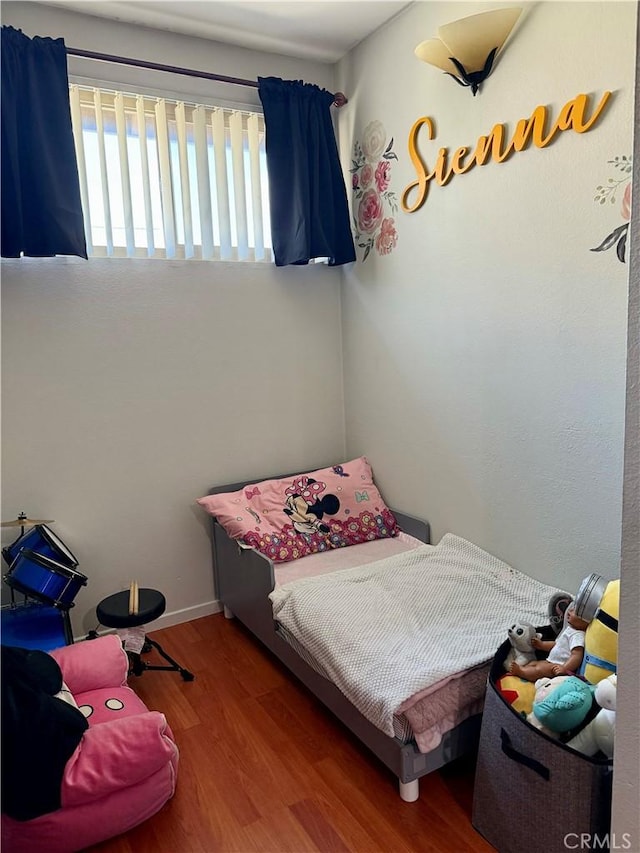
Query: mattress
{"points": [[428, 718], [335, 559]]}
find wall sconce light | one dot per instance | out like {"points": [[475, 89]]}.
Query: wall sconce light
{"points": [[466, 49]]}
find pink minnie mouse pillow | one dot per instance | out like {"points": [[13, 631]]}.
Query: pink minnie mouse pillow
{"points": [[306, 513]]}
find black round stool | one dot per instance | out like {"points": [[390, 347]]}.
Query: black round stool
{"points": [[113, 612]]}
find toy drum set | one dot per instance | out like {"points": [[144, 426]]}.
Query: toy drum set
{"points": [[41, 566]]}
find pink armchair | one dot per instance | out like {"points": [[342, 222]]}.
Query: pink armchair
{"points": [[122, 772]]}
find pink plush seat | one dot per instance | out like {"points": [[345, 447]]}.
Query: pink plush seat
{"points": [[122, 772]]}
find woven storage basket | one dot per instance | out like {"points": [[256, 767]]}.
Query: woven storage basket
{"points": [[532, 793]]}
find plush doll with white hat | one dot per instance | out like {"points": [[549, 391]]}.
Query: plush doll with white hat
{"points": [[562, 704], [543, 687]]}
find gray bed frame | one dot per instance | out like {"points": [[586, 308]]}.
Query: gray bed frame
{"points": [[244, 578]]}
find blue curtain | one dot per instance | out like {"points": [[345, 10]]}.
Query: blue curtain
{"points": [[41, 209], [307, 195]]}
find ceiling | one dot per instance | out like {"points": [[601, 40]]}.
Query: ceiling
{"points": [[322, 31]]}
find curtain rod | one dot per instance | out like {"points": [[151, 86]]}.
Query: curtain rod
{"points": [[340, 99]]}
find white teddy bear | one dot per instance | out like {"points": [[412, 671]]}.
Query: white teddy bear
{"points": [[520, 635], [598, 736]]}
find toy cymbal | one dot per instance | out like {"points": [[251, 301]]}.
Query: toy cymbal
{"points": [[23, 521]]}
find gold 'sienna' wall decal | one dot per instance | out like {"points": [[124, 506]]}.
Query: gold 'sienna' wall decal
{"points": [[573, 116]]}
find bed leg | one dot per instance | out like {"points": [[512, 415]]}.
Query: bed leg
{"points": [[409, 791], [228, 614]]}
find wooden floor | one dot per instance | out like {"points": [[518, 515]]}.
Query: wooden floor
{"points": [[264, 767]]}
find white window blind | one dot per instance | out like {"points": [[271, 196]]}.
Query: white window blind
{"points": [[166, 179]]}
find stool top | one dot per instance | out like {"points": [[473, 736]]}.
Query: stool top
{"points": [[113, 612]]}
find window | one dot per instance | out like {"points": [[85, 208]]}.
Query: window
{"points": [[167, 179]]}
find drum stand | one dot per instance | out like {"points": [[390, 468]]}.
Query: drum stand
{"points": [[66, 623], [138, 666]]}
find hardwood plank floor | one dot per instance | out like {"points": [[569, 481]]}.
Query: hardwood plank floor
{"points": [[264, 767]]}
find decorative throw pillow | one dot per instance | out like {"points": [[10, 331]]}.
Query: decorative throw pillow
{"points": [[295, 516]]}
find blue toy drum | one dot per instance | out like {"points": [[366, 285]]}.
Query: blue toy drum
{"points": [[43, 578], [42, 540]]}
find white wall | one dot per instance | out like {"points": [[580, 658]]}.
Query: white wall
{"points": [[485, 356], [491, 343], [131, 386], [626, 778]]}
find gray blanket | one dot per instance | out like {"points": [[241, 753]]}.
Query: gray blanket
{"points": [[401, 626]]}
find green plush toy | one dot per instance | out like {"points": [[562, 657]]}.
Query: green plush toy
{"points": [[562, 703]]}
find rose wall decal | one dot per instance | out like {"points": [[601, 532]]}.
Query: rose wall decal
{"points": [[607, 193], [371, 173]]}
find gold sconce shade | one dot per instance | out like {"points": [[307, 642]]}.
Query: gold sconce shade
{"points": [[466, 49]]}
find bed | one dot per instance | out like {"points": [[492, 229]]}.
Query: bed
{"points": [[437, 724]]}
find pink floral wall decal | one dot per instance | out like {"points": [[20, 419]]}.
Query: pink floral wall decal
{"points": [[373, 200], [607, 193]]}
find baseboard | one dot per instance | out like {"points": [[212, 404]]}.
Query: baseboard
{"points": [[175, 617], [187, 614]]}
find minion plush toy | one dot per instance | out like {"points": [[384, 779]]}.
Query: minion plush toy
{"points": [[598, 602]]}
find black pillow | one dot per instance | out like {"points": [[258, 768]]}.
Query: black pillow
{"points": [[39, 733]]}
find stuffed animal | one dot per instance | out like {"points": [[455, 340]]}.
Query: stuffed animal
{"points": [[601, 637], [520, 635], [542, 688], [557, 609], [599, 735], [517, 692], [561, 704]]}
